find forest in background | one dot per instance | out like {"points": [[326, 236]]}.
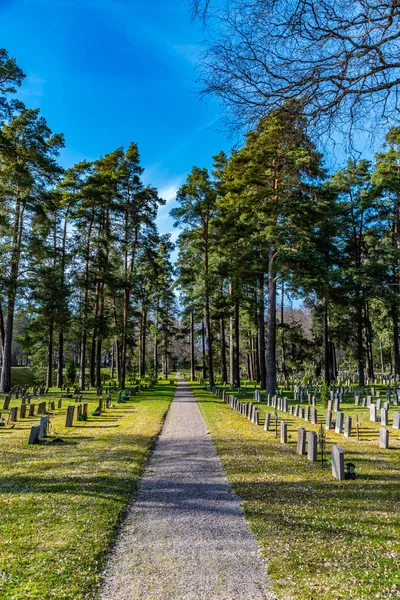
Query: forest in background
{"points": [[86, 280]]}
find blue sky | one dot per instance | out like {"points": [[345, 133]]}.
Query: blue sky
{"points": [[108, 72]]}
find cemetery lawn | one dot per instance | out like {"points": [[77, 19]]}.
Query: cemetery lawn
{"points": [[323, 539], [61, 504]]}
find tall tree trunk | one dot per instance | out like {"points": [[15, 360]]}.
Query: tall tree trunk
{"points": [[166, 355], [82, 366], [49, 378], [203, 348], [327, 370], [368, 337], [231, 353], [192, 363], [360, 346], [396, 349], [112, 361], [60, 366], [257, 375], [271, 324], [5, 385], [2, 332], [236, 353], [261, 333], [143, 344], [381, 354], [283, 329], [224, 370], [5, 380], [92, 366]]}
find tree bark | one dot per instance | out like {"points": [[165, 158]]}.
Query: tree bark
{"points": [[224, 370], [261, 333], [49, 378], [203, 349], [236, 353], [327, 370], [271, 324], [192, 363]]}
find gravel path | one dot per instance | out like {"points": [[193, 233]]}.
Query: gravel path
{"points": [[186, 537]]}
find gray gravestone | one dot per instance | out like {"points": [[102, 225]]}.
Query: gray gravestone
{"points": [[41, 408], [307, 413], [256, 416], [384, 438], [339, 421], [328, 420], [312, 446], [347, 427], [384, 417], [337, 462], [301, 441], [44, 426], [283, 432], [34, 434], [372, 413], [314, 416], [396, 420], [70, 416], [268, 421]]}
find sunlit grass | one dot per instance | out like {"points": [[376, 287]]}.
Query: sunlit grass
{"points": [[61, 503], [323, 539]]}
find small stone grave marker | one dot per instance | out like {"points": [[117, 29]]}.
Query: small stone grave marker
{"points": [[347, 426], [337, 463], [396, 420], [41, 408], [31, 410], [339, 422], [34, 434], [384, 417], [312, 439], [372, 413], [44, 426], [283, 432], [384, 438], [301, 441], [314, 416], [70, 415], [328, 420], [268, 421]]}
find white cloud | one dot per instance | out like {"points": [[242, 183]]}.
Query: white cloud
{"points": [[169, 190]]}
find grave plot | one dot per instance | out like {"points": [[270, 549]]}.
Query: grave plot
{"points": [[63, 494], [318, 532]]}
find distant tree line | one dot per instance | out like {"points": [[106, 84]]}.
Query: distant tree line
{"points": [[80, 255], [268, 221]]}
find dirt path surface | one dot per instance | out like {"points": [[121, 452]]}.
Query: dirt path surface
{"points": [[186, 537]]}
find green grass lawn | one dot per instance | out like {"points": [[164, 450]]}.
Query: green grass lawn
{"points": [[61, 504], [323, 539]]}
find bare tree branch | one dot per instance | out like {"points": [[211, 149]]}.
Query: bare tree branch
{"points": [[342, 57]]}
